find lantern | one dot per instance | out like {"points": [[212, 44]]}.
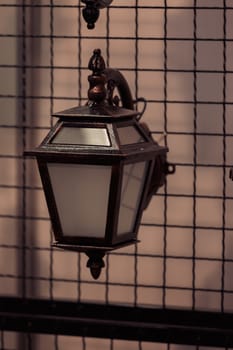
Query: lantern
{"points": [[99, 167]]}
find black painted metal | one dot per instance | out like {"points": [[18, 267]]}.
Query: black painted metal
{"points": [[91, 11], [118, 322]]}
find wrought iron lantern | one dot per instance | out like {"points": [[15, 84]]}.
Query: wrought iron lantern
{"points": [[99, 167]]}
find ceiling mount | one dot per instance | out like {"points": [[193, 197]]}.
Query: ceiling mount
{"points": [[91, 11]]}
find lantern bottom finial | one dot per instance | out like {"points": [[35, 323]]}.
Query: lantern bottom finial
{"points": [[95, 253], [95, 263]]}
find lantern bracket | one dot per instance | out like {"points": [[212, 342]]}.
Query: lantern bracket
{"points": [[114, 80]]}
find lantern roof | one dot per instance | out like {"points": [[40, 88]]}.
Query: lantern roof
{"points": [[100, 112], [77, 137]]}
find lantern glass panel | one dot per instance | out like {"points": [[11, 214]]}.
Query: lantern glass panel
{"points": [[82, 136], [132, 186], [129, 135], [81, 193]]}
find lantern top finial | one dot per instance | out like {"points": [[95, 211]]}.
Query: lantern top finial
{"points": [[97, 91], [96, 63]]}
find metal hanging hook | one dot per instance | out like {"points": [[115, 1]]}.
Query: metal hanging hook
{"points": [[143, 101]]}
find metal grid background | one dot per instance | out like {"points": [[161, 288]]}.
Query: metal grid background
{"points": [[178, 55]]}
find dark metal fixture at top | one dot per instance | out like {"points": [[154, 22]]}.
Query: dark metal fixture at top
{"points": [[92, 10], [100, 167]]}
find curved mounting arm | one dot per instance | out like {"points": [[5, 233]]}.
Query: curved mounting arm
{"points": [[91, 11], [116, 80]]}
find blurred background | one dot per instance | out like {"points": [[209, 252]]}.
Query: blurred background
{"points": [[177, 54]]}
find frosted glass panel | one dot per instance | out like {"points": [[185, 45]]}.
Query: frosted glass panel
{"points": [[133, 182], [81, 192], [82, 136], [129, 135]]}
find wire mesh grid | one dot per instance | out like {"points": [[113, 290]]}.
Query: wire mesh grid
{"points": [[176, 54]]}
